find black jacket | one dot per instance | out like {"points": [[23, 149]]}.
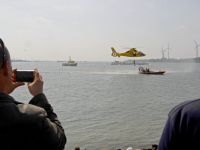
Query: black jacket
{"points": [[32, 126]]}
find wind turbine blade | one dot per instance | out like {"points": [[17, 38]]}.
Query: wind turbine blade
{"points": [[195, 42]]}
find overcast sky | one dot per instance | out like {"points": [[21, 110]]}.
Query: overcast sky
{"points": [[87, 29]]}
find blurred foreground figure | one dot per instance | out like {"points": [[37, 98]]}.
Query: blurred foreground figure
{"points": [[32, 126], [77, 148], [182, 129]]}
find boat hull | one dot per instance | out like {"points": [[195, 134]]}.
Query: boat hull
{"points": [[153, 72], [66, 64]]}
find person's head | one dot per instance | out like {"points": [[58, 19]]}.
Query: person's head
{"points": [[5, 63], [76, 148], [4, 54]]}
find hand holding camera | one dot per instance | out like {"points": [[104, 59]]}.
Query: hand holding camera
{"points": [[36, 87], [12, 84], [34, 79]]}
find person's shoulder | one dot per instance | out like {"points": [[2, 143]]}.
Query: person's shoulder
{"points": [[22, 114], [31, 110], [190, 105]]}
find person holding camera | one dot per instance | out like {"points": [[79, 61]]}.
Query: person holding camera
{"points": [[33, 126]]}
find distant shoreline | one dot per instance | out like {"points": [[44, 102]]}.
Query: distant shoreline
{"points": [[182, 60]]}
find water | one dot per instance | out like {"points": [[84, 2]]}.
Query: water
{"points": [[112, 106]]}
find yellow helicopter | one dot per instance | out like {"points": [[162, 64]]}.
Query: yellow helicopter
{"points": [[130, 53]]}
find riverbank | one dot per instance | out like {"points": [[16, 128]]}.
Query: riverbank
{"points": [[182, 60], [153, 147]]}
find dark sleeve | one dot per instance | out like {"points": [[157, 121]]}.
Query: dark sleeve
{"points": [[171, 138], [164, 143], [53, 131]]}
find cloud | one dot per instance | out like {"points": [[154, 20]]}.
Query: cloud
{"points": [[42, 21]]}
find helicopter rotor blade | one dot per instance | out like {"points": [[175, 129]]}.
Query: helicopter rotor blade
{"points": [[131, 47]]}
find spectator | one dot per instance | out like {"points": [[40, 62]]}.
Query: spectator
{"points": [[33, 126], [182, 129]]}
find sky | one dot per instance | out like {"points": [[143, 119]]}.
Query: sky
{"points": [[86, 30]]}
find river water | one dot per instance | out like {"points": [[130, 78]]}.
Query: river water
{"points": [[112, 106]]}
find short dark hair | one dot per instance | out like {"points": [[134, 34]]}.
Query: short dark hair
{"points": [[1, 55], [3, 51]]}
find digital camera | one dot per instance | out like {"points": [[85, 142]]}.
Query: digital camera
{"points": [[24, 76]]}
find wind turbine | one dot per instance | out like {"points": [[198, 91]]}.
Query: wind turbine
{"points": [[196, 48], [168, 50], [163, 52]]}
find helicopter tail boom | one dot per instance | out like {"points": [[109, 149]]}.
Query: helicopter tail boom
{"points": [[114, 53]]}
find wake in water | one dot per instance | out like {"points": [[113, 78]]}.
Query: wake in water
{"points": [[94, 72]]}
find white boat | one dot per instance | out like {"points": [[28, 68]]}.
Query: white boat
{"points": [[141, 63], [69, 63], [116, 63], [129, 63]]}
